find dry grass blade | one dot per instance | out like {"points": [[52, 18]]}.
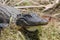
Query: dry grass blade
{"points": [[19, 2], [52, 6], [4, 2], [34, 2], [21, 35], [29, 6]]}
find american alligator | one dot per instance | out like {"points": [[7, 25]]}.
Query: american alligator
{"points": [[30, 19], [22, 20]]}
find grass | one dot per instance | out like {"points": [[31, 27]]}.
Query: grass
{"points": [[45, 33]]}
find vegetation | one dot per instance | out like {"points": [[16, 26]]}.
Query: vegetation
{"points": [[51, 31]]}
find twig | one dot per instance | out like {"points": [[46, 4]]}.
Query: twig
{"points": [[56, 14], [4, 2], [29, 6], [52, 6], [28, 1], [8, 2]]}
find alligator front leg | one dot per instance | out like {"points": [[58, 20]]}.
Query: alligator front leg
{"points": [[30, 35]]}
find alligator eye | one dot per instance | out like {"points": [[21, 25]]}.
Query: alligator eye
{"points": [[18, 15]]}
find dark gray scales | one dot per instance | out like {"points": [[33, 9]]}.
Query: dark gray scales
{"points": [[6, 12]]}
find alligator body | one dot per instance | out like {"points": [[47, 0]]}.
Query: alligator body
{"points": [[31, 19]]}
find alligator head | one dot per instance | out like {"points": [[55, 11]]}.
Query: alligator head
{"points": [[31, 19]]}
